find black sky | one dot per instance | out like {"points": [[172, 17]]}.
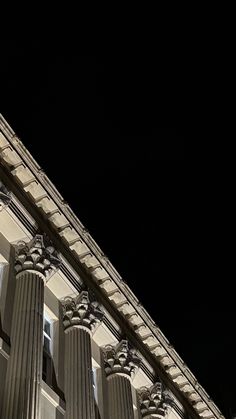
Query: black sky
{"points": [[109, 132]]}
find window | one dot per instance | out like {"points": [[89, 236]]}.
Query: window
{"points": [[48, 372], [47, 336], [95, 389], [97, 414], [94, 378], [1, 276], [47, 347], [45, 368]]}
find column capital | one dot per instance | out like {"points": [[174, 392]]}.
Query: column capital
{"points": [[38, 255], [82, 310], [5, 197], [120, 359], [154, 401]]}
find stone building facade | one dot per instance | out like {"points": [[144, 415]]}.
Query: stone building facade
{"points": [[75, 342]]}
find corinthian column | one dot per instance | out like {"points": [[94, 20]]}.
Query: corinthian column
{"points": [[154, 402], [120, 363], [81, 315], [35, 262]]}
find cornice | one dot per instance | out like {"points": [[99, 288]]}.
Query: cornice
{"points": [[43, 194]]}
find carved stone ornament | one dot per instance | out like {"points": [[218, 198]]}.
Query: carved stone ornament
{"points": [[37, 255], [5, 197], [82, 310], [154, 402], [120, 359]]}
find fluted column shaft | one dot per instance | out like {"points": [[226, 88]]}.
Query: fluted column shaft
{"points": [[78, 374], [120, 397], [24, 370]]}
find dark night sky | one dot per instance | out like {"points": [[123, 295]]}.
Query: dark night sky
{"points": [[109, 132]]}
